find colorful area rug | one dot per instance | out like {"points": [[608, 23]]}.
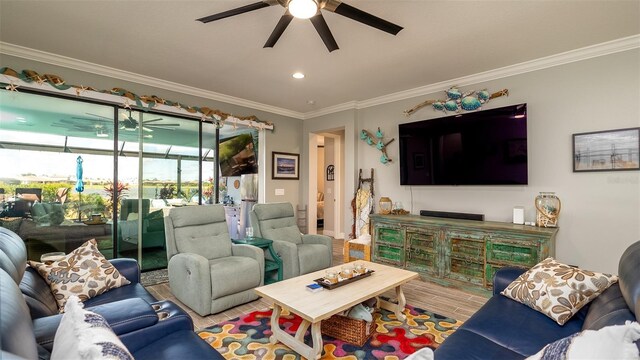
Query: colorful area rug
{"points": [[247, 337]]}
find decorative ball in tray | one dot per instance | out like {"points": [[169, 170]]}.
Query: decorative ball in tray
{"points": [[347, 274]]}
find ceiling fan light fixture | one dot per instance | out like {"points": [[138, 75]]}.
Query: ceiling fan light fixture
{"points": [[303, 9]]}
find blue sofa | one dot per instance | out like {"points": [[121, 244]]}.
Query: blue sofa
{"points": [[148, 328], [506, 329]]}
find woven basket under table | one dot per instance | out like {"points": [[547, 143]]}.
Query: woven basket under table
{"points": [[350, 330]]}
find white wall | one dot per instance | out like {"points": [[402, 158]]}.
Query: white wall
{"points": [[600, 210]]}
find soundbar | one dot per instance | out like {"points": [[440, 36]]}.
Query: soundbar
{"points": [[452, 215]]}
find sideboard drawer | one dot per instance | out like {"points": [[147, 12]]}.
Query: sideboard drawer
{"points": [[390, 235], [467, 271], [512, 252], [422, 260], [425, 239], [389, 254], [467, 248]]}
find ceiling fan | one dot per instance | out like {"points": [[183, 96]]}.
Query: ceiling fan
{"points": [[74, 127], [310, 9], [129, 123]]}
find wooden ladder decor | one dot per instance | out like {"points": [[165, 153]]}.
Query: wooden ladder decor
{"points": [[361, 181]]}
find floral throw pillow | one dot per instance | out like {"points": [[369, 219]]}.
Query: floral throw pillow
{"points": [[84, 272], [558, 290]]}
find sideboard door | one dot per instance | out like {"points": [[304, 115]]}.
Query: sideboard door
{"points": [[464, 256], [388, 244], [423, 250]]}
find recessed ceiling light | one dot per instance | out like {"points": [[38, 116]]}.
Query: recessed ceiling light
{"points": [[311, 102], [298, 75]]}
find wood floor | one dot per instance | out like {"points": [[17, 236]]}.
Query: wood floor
{"points": [[448, 302]]}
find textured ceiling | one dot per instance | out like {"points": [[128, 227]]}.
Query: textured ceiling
{"points": [[441, 40]]}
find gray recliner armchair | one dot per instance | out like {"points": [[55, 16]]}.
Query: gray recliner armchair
{"points": [[206, 271], [301, 254]]}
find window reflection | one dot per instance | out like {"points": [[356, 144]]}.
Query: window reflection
{"points": [[41, 139], [159, 161]]}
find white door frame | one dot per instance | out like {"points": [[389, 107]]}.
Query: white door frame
{"points": [[312, 200]]}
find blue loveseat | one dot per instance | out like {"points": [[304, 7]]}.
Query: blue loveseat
{"points": [[506, 329], [150, 329]]}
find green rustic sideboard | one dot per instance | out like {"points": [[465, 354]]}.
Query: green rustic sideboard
{"points": [[458, 253]]}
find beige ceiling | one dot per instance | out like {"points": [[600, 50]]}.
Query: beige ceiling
{"points": [[442, 40]]}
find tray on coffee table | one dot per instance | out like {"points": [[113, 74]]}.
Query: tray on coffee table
{"points": [[325, 284]]}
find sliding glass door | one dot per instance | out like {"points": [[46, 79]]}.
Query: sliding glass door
{"points": [[43, 142]]}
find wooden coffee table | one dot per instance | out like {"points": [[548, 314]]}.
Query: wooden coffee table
{"points": [[292, 295]]}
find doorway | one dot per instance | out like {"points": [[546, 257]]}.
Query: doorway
{"points": [[326, 181]]}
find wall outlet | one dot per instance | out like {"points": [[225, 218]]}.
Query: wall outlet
{"points": [[279, 192]]}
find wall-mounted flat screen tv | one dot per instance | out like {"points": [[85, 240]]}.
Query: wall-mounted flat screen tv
{"points": [[237, 156], [486, 147]]}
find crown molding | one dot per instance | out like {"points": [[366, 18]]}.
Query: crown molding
{"points": [[585, 53], [80, 65], [351, 105]]}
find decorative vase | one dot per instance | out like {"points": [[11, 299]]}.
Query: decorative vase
{"points": [[547, 209], [385, 205]]}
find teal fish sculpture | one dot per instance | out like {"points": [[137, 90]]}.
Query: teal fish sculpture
{"points": [[380, 144], [457, 101]]}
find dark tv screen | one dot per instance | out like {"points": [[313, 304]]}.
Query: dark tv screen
{"points": [[237, 156], [478, 148]]}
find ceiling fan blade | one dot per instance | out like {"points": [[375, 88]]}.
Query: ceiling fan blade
{"points": [[160, 125], [323, 30], [366, 18], [236, 11], [150, 121], [279, 29], [146, 129], [89, 119]]}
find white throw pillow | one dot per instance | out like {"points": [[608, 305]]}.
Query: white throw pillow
{"points": [[422, 354], [610, 342], [86, 335]]}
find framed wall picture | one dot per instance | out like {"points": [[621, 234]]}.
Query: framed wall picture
{"points": [[285, 166], [610, 150], [331, 172]]}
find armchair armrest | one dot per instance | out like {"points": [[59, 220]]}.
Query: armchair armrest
{"points": [[123, 316], [322, 240], [317, 239], [128, 268], [190, 281], [252, 252], [504, 277], [288, 252]]}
